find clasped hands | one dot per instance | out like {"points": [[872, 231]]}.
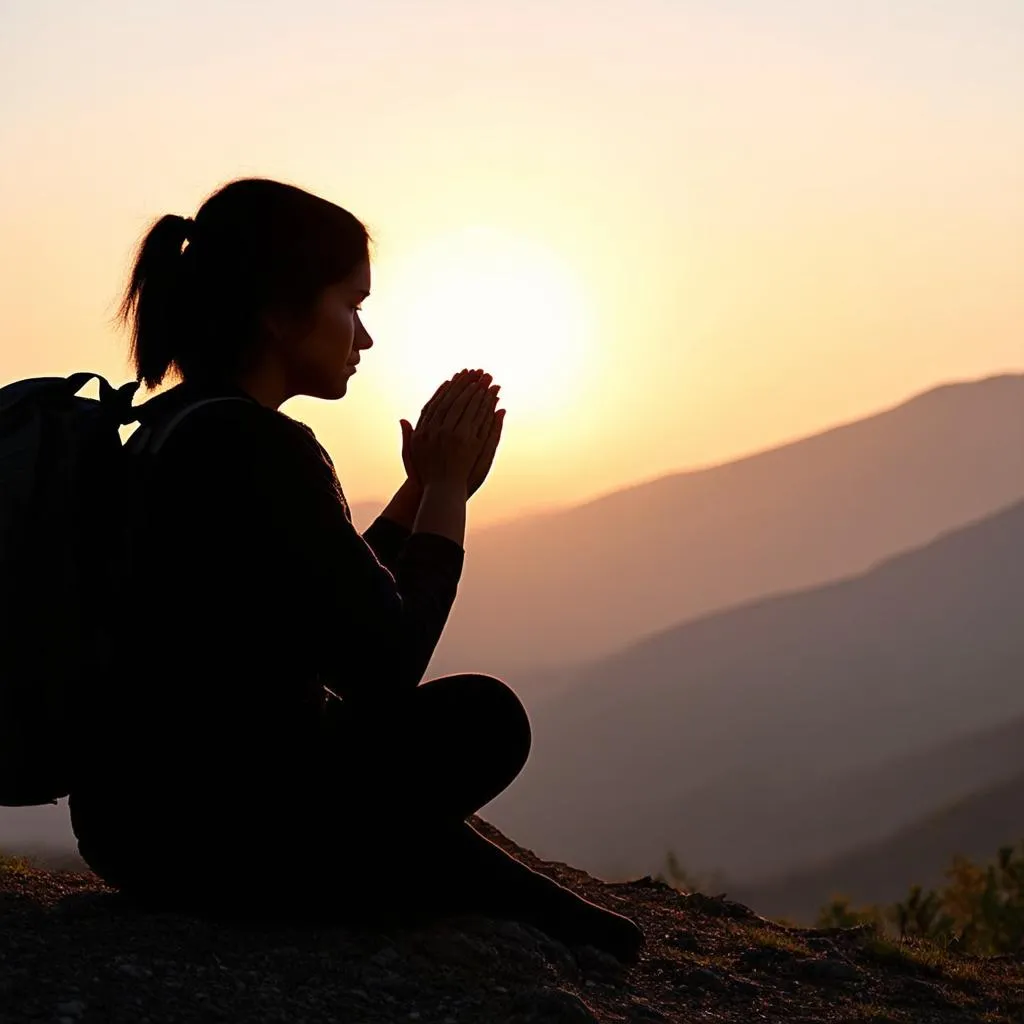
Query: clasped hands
{"points": [[457, 433]]}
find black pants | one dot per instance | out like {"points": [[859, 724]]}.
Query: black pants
{"points": [[410, 772], [434, 756], [383, 834], [381, 837]]}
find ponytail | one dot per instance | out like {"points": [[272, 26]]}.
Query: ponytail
{"points": [[152, 298]]}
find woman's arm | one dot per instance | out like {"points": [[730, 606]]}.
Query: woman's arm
{"points": [[402, 508], [443, 511], [439, 508], [388, 533], [264, 495]]}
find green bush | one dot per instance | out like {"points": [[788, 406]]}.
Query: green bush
{"points": [[980, 910]]}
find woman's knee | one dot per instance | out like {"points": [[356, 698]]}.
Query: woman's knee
{"points": [[491, 707]]}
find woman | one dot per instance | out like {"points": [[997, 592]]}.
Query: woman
{"points": [[268, 745]]}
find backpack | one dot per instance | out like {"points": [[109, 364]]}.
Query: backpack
{"points": [[65, 540]]}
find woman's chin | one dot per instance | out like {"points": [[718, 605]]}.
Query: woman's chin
{"points": [[329, 390]]}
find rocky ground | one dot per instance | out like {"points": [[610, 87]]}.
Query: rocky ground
{"points": [[70, 955]]}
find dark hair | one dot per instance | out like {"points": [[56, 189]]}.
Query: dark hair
{"points": [[255, 245]]}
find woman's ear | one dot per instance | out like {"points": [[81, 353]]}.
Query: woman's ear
{"points": [[281, 326]]}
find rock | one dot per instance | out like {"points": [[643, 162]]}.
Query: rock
{"points": [[552, 1006], [829, 969], [704, 977], [682, 939], [763, 958]]}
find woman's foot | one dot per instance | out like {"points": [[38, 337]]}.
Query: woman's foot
{"points": [[482, 877], [591, 925], [568, 917]]}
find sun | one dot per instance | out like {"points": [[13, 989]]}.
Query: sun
{"points": [[479, 297]]}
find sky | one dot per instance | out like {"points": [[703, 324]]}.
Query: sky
{"points": [[677, 231]]}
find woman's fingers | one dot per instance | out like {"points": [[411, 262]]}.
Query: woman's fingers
{"points": [[475, 404], [446, 384], [485, 411], [488, 446], [493, 434], [428, 409], [455, 395], [480, 410], [454, 414]]}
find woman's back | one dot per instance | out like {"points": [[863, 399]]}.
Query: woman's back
{"points": [[215, 705], [251, 590]]}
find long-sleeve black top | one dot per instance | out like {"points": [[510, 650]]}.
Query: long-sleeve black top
{"points": [[249, 592], [258, 499]]}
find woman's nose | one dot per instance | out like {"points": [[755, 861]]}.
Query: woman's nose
{"points": [[363, 339]]}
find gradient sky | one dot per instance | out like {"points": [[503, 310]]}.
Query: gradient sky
{"points": [[680, 231]]}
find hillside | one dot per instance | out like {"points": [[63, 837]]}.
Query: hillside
{"points": [[583, 582], [695, 738], [72, 953], [974, 826], [364, 512]]}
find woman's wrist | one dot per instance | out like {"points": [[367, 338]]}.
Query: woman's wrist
{"points": [[443, 510], [402, 508]]}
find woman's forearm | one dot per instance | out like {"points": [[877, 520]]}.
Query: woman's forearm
{"points": [[402, 508], [443, 510]]}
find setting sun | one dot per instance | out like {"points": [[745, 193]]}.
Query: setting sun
{"points": [[479, 297]]}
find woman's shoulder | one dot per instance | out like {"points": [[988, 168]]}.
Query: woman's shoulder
{"points": [[212, 423]]}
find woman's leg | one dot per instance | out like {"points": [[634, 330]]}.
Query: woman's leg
{"points": [[422, 769], [437, 754]]}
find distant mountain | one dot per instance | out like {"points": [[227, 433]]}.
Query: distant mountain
{"points": [[581, 582], [364, 512], [975, 826], [828, 817], [696, 739]]}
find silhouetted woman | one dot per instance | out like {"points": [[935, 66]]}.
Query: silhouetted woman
{"points": [[268, 746]]}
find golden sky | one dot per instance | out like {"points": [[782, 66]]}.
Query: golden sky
{"points": [[678, 231]]}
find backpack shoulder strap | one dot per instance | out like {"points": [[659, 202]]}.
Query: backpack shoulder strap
{"points": [[150, 439]]}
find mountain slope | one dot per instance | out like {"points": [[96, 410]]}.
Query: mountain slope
{"points": [[577, 583], [692, 738], [829, 816], [975, 826]]}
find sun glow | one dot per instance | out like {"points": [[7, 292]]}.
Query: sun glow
{"points": [[482, 298]]}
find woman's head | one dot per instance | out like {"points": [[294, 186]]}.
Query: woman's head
{"points": [[261, 287]]}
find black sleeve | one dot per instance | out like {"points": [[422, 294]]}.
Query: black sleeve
{"points": [[386, 539], [275, 493], [385, 536]]}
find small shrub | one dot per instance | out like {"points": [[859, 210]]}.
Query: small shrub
{"points": [[980, 910], [10, 865]]}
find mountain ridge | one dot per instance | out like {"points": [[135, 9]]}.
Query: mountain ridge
{"points": [[881, 872], [546, 592], [685, 740]]}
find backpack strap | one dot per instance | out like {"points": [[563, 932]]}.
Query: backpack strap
{"points": [[118, 399], [150, 440]]}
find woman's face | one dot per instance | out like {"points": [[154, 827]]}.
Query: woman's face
{"points": [[320, 359]]}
